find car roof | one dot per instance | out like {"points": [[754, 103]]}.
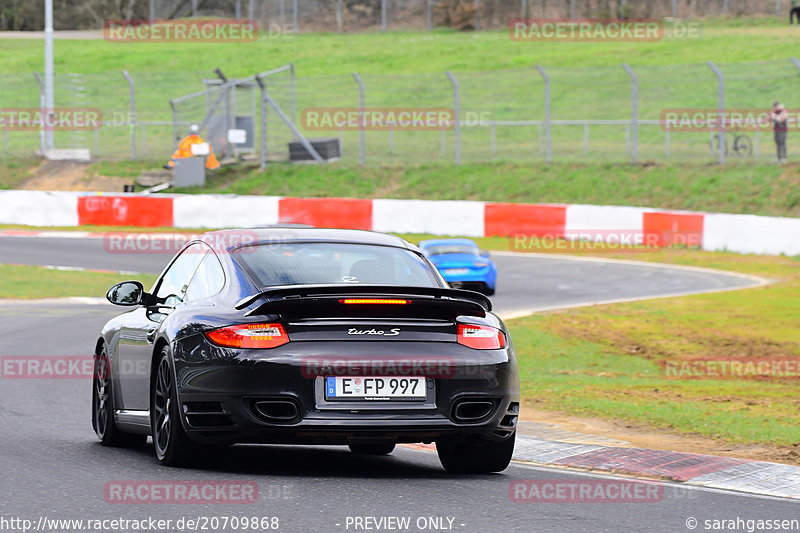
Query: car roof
{"points": [[230, 239], [434, 242]]}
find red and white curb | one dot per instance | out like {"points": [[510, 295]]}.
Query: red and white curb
{"points": [[727, 473], [610, 224]]}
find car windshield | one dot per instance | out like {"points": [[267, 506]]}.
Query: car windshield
{"points": [[441, 249], [333, 263]]}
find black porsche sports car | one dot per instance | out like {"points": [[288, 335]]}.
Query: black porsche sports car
{"points": [[307, 336]]}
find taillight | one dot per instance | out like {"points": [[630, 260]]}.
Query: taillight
{"points": [[374, 301], [480, 337], [250, 336]]}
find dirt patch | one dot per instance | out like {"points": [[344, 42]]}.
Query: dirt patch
{"points": [[641, 436], [70, 176]]}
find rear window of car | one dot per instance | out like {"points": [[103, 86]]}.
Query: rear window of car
{"points": [[441, 249], [326, 263]]}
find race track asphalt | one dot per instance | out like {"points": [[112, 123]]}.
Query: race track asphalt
{"points": [[51, 465]]}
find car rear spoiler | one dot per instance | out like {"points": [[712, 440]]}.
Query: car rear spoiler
{"points": [[449, 301]]}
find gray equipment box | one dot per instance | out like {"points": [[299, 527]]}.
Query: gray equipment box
{"points": [[189, 172]]}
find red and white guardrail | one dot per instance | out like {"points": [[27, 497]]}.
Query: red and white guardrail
{"points": [[711, 231]]}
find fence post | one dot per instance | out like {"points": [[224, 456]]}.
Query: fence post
{"points": [[721, 97], [477, 15], [428, 14], [635, 111], [294, 93], [524, 8], [132, 118], [262, 123], [361, 144], [778, 7], [152, 11], [572, 9], [295, 17], [251, 11], [456, 106], [41, 106], [548, 123], [383, 15], [339, 20], [725, 7], [174, 124]]}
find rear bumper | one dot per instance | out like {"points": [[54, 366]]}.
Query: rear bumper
{"points": [[221, 399]]}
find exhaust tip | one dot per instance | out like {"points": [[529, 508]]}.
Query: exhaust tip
{"points": [[277, 411], [472, 410]]}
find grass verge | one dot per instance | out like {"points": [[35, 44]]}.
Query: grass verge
{"points": [[38, 282]]}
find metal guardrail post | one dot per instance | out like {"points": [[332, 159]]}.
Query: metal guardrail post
{"points": [[383, 15], [152, 11], [339, 19], [42, 105], [457, 109], [573, 13], [721, 97], [674, 9], [132, 118], [547, 115], [361, 136], [295, 16], [778, 7], [724, 7], [524, 9], [635, 111]]}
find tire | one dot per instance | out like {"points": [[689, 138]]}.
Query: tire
{"points": [[743, 146], [373, 448], [172, 446], [103, 407], [476, 456]]}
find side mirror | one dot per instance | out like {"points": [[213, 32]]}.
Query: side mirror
{"points": [[485, 253], [127, 293]]}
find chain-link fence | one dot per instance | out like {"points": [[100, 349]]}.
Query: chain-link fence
{"points": [[546, 113], [361, 15]]}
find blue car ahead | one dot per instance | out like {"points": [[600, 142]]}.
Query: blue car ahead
{"points": [[462, 263]]}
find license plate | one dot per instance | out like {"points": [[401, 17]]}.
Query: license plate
{"points": [[374, 388], [456, 271]]}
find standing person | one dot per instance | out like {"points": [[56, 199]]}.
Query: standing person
{"points": [[794, 12], [780, 125]]}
